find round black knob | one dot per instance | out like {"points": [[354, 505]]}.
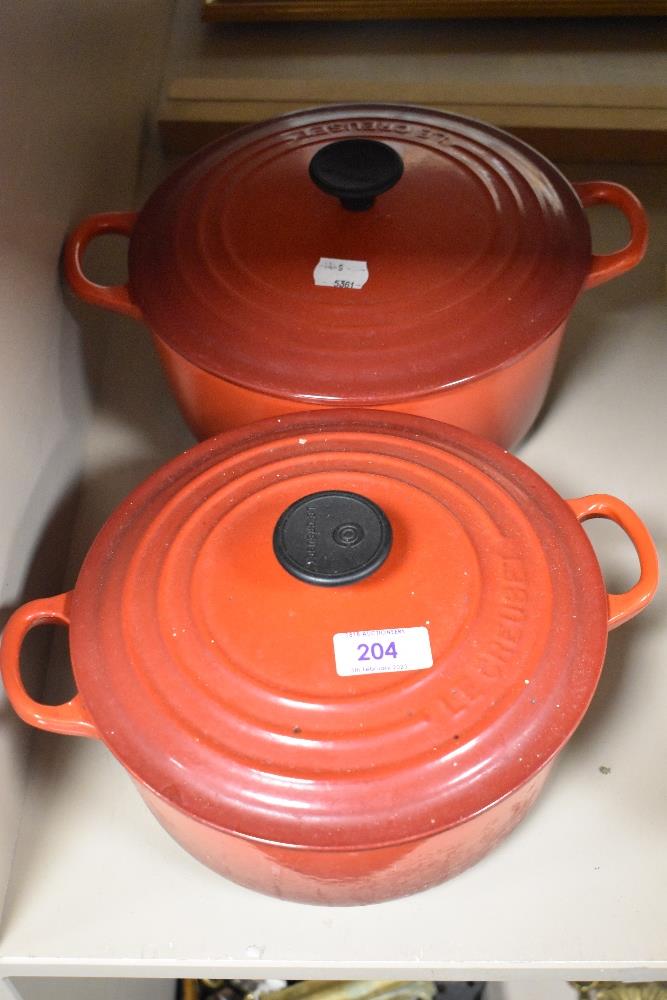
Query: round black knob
{"points": [[356, 171], [332, 538]]}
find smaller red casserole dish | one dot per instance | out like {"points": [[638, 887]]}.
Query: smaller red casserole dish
{"points": [[361, 255], [337, 652]]}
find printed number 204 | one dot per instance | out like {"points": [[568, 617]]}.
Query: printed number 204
{"points": [[377, 651]]}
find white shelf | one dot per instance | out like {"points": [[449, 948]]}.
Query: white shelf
{"points": [[98, 888]]}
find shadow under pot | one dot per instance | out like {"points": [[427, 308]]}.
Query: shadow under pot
{"points": [[361, 255], [318, 643]]}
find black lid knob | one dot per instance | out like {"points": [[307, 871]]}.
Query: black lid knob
{"points": [[356, 171], [332, 538]]}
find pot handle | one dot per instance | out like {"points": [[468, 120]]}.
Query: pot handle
{"points": [[114, 297], [622, 607], [70, 718], [605, 266]]}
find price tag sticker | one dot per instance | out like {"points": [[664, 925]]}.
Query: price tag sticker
{"points": [[382, 651], [334, 273]]}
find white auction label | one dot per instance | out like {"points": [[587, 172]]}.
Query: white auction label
{"points": [[334, 273], [382, 651]]}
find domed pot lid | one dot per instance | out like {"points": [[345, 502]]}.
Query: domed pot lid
{"points": [[340, 630], [359, 253]]}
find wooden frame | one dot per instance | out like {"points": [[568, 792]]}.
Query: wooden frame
{"points": [[373, 10]]}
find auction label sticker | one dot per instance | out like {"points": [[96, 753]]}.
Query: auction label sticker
{"points": [[382, 651], [334, 273]]}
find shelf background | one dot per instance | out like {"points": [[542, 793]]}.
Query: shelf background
{"points": [[590, 87], [577, 891], [74, 80]]}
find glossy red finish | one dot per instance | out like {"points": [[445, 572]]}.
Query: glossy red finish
{"points": [[475, 257], [348, 878], [479, 235], [209, 671], [70, 719], [114, 297], [501, 406]]}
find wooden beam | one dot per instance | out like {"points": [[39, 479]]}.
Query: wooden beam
{"points": [[318, 90], [614, 122], [372, 10]]}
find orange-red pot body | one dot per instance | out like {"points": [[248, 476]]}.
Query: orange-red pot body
{"points": [[501, 406], [347, 877], [443, 294], [337, 651]]}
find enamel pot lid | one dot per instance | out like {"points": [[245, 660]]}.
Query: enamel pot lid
{"points": [[338, 630], [363, 253]]}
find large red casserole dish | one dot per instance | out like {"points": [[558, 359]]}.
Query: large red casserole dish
{"points": [[337, 652], [361, 255]]}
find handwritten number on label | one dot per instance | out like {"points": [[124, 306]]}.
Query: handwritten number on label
{"points": [[330, 272]]}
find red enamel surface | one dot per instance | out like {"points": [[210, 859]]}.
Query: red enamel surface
{"points": [[209, 670], [475, 259], [501, 406], [348, 878], [475, 256]]}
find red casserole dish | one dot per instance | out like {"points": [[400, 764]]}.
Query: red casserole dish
{"points": [[338, 652], [361, 255]]}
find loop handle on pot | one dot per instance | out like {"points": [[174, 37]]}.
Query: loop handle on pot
{"points": [[605, 266], [70, 718], [114, 297], [622, 607]]}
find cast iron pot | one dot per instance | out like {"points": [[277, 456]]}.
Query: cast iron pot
{"points": [[383, 256], [337, 652]]}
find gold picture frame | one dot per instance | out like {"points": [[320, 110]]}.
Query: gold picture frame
{"points": [[375, 10]]}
